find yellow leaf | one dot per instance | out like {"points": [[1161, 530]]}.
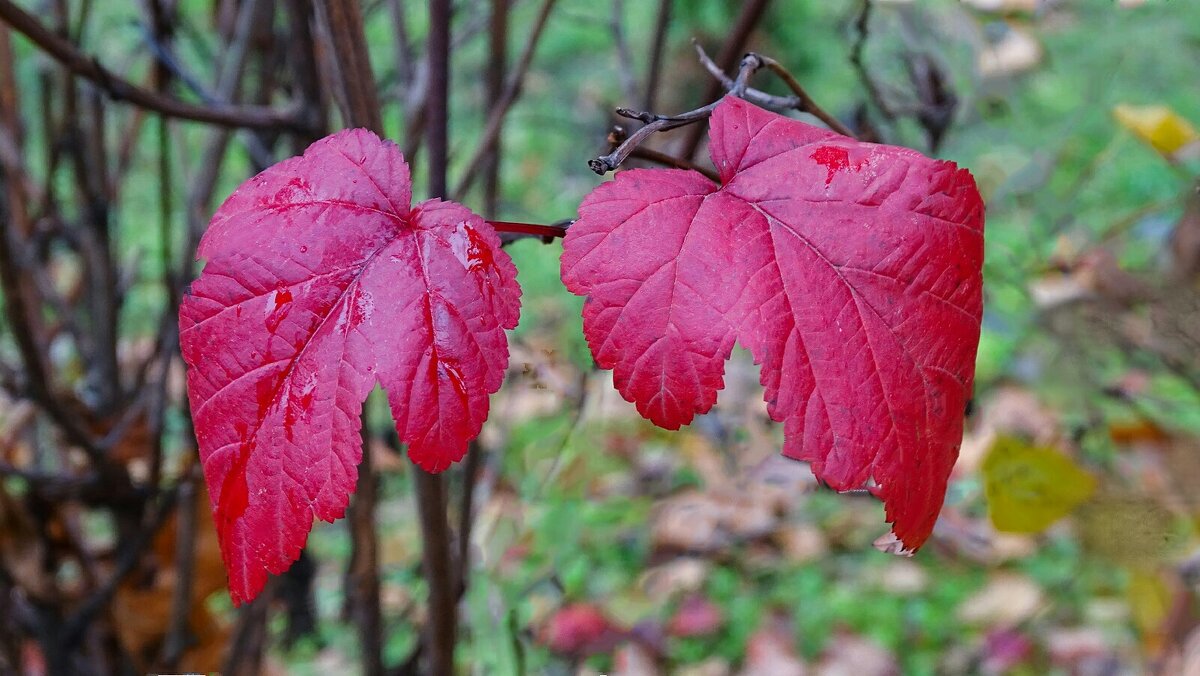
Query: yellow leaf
{"points": [[1158, 126], [1149, 599], [1029, 487]]}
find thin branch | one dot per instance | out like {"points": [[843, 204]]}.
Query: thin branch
{"points": [[497, 67], [403, 45], [656, 123], [800, 101], [343, 20], [362, 583], [806, 104], [624, 57], [131, 554], [618, 134], [466, 513], [176, 640], [857, 59], [731, 51], [89, 68], [662, 26], [496, 119]]}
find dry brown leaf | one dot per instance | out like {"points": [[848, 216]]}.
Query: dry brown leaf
{"points": [[850, 655], [903, 577], [142, 614], [713, 666], [771, 651], [690, 521], [680, 576], [1016, 51], [802, 542], [1069, 646], [22, 551], [633, 659], [1007, 600]]}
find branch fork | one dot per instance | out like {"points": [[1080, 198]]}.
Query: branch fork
{"points": [[751, 63]]}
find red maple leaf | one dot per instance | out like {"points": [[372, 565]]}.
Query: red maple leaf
{"points": [[851, 271], [321, 281]]}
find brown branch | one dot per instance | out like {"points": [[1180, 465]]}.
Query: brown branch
{"points": [[442, 628], [799, 101], [131, 554], [496, 72], [656, 123], [466, 513], [731, 52], [857, 59], [89, 68], [661, 27], [805, 103], [618, 136], [624, 57], [176, 640], [500, 110], [362, 579], [348, 53]]}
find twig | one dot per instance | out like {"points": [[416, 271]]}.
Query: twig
{"points": [[731, 51], [131, 553], [167, 59], [800, 101], [861, 31], [88, 67], [532, 229], [403, 45], [176, 640], [466, 513], [624, 58], [496, 119], [362, 590], [245, 653], [661, 27], [656, 123], [619, 134], [496, 71], [806, 104]]}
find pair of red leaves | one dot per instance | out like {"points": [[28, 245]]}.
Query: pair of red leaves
{"points": [[851, 271]]}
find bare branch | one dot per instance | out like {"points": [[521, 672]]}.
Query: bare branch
{"points": [[89, 68], [751, 13], [656, 123], [500, 110]]}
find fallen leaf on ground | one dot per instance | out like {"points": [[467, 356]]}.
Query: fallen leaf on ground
{"points": [[802, 542], [1015, 51], [851, 655], [1030, 487], [696, 616], [771, 650], [632, 659], [679, 576], [903, 577], [579, 629], [1007, 600], [1159, 126]]}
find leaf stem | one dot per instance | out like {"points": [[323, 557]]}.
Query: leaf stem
{"points": [[535, 229]]}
